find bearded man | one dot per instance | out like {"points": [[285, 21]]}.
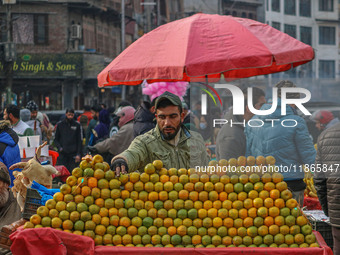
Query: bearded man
{"points": [[170, 141], [68, 141], [9, 208]]}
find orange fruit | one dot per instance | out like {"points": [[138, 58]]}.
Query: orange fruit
{"points": [[85, 191], [260, 160], [274, 194], [149, 169], [158, 164], [58, 196], [280, 203], [248, 222], [268, 221], [134, 177], [291, 203], [277, 177], [268, 202]]}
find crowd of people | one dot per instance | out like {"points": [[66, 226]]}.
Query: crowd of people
{"points": [[166, 129]]}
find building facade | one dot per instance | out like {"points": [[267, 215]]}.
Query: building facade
{"points": [[61, 46], [315, 23]]}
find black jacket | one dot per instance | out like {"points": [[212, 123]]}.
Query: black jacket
{"points": [[68, 137], [327, 181], [144, 119]]}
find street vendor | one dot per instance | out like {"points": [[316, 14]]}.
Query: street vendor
{"points": [[9, 208], [169, 141]]}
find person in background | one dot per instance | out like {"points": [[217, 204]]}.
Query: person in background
{"points": [[46, 125], [101, 131], [190, 119], [34, 123], [323, 119], [84, 120], [290, 146], [169, 141], [9, 208], [12, 113], [68, 141], [119, 141], [87, 112], [103, 106], [327, 182], [93, 123], [9, 149], [25, 116], [231, 140], [144, 118]]}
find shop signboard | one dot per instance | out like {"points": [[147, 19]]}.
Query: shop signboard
{"points": [[46, 66]]}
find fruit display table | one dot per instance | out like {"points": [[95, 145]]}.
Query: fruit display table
{"points": [[50, 241]]}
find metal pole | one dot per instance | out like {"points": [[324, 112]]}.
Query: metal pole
{"points": [[158, 13], [220, 7], [123, 41], [9, 64]]}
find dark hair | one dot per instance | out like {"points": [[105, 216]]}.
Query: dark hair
{"points": [[15, 110], [286, 84], [87, 108], [257, 93], [96, 108], [124, 103], [103, 105], [166, 102], [69, 110]]}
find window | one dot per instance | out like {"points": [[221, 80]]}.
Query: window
{"points": [[244, 15], [30, 29], [306, 35], [276, 25], [306, 70], [290, 30], [305, 8], [327, 68], [234, 14], [267, 5], [40, 29], [276, 5], [250, 16], [290, 7], [327, 35], [326, 5]]}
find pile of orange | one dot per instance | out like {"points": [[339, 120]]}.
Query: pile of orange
{"points": [[177, 208]]}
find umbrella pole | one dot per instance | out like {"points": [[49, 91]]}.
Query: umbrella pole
{"points": [[209, 119]]}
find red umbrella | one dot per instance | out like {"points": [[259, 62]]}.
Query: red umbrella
{"points": [[206, 46]]}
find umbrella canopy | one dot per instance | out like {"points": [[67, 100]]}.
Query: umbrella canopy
{"points": [[205, 45]]}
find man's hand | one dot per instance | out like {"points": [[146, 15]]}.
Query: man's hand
{"points": [[92, 149], [119, 166]]}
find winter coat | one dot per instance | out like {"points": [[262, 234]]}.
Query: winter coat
{"points": [[10, 212], [102, 129], [119, 142], [9, 149], [327, 182], [231, 140], [291, 146], [68, 137], [144, 119], [189, 152]]}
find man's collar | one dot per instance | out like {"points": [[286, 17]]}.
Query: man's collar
{"points": [[16, 123]]}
